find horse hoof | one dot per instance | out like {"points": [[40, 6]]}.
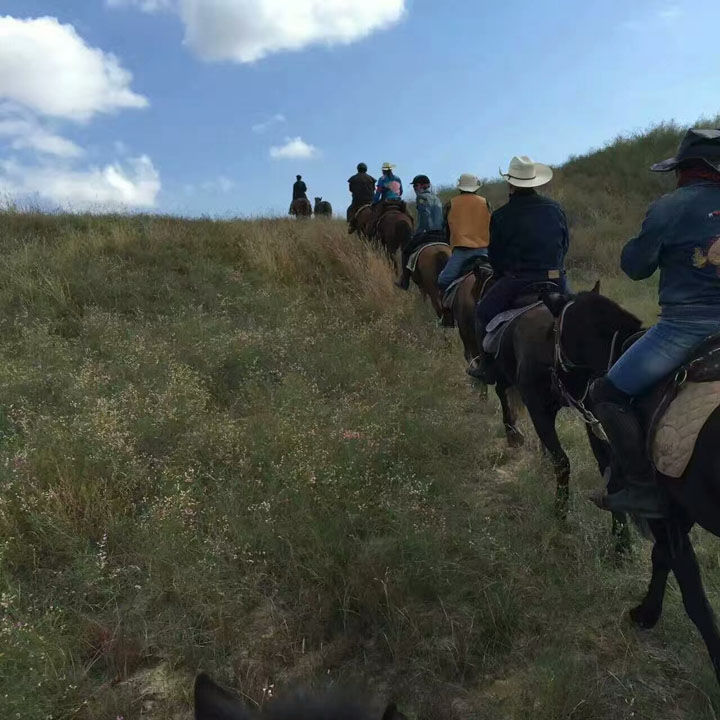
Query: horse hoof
{"points": [[645, 618]]}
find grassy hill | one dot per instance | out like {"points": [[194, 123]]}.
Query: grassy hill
{"points": [[236, 446]]}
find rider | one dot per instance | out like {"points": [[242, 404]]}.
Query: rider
{"points": [[430, 222], [389, 189], [681, 236], [299, 191], [467, 217], [362, 188], [529, 239]]}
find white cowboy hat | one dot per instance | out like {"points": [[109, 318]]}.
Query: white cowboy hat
{"points": [[387, 166], [524, 172], [468, 183]]}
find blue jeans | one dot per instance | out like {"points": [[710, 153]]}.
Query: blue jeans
{"points": [[460, 261], [503, 293], [663, 349]]}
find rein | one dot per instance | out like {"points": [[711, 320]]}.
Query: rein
{"points": [[564, 363]]}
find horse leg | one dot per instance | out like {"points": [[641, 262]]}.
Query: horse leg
{"points": [[514, 437], [543, 412], [648, 612], [687, 572], [620, 527]]}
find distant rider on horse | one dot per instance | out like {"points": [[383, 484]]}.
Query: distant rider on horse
{"points": [[467, 222], [429, 226], [299, 192], [529, 239], [362, 189], [681, 237]]}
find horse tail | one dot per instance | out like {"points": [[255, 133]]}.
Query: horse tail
{"points": [[441, 260], [403, 233]]}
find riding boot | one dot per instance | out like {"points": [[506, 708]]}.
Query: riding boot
{"points": [[403, 282], [481, 367], [640, 494]]}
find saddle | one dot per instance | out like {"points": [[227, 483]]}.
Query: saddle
{"points": [[475, 264], [678, 409]]}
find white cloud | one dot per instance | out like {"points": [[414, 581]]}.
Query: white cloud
{"points": [[26, 133], [48, 68], [261, 127], [293, 149], [148, 6], [248, 30], [113, 187], [222, 184]]}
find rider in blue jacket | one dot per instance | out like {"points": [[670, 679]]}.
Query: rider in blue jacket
{"points": [[681, 238], [430, 224]]}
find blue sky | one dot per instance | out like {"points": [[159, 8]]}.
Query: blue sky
{"points": [[435, 87]]}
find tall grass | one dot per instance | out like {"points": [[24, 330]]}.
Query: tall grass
{"points": [[235, 446]]}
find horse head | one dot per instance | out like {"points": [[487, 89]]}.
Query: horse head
{"points": [[215, 703]]}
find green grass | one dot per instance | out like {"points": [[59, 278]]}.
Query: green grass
{"points": [[234, 446]]}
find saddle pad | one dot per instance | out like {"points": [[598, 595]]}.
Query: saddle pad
{"points": [[451, 292], [678, 430], [495, 330], [412, 260]]}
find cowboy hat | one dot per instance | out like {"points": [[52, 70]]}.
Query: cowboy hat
{"points": [[387, 166], [698, 144], [468, 182], [525, 173]]}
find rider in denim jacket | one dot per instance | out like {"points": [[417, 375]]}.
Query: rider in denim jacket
{"points": [[681, 237]]}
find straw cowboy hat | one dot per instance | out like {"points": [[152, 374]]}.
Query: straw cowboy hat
{"points": [[468, 183], [387, 166], [525, 173], [698, 144]]}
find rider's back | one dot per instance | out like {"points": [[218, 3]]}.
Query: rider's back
{"points": [[681, 236], [362, 187], [529, 233]]}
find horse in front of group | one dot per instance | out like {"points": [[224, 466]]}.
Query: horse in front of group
{"points": [[301, 208], [323, 209]]}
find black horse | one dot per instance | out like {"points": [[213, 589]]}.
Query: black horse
{"points": [[214, 703], [323, 209], [589, 339]]}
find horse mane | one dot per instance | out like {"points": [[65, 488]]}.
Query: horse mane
{"points": [[602, 312]]}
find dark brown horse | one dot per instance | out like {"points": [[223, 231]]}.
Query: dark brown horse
{"points": [[323, 209], [301, 208], [393, 231], [430, 263], [214, 703], [592, 327], [364, 221]]}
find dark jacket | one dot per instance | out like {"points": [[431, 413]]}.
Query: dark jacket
{"points": [[681, 236], [362, 187], [299, 190], [528, 236]]}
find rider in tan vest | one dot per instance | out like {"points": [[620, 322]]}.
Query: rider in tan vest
{"points": [[468, 227]]}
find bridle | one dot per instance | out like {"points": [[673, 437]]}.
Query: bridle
{"points": [[565, 364]]}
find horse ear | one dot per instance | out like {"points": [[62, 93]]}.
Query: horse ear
{"points": [[596, 288], [554, 302], [214, 703], [392, 713]]}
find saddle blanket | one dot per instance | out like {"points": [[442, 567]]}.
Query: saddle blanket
{"points": [[678, 429], [412, 260], [495, 330], [449, 296]]}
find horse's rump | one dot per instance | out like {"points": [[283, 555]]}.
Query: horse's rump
{"points": [[441, 248]]}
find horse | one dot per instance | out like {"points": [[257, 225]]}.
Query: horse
{"points": [[364, 221], [394, 230], [590, 334], [301, 208], [430, 263], [525, 367], [215, 703], [323, 209]]}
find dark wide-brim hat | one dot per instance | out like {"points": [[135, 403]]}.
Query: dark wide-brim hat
{"points": [[698, 144]]}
